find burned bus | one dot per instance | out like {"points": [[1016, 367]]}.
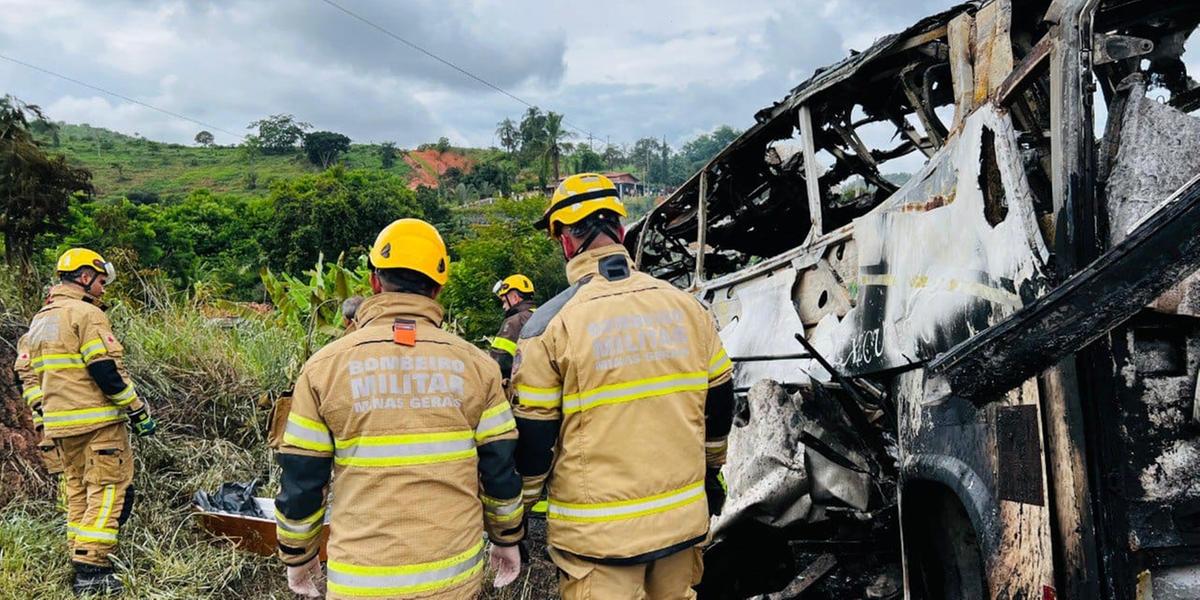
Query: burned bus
{"points": [[977, 379]]}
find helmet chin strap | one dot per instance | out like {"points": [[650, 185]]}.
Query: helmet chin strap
{"points": [[570, 251]]}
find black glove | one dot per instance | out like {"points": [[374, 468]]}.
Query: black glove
{"points": [[715, 490]]}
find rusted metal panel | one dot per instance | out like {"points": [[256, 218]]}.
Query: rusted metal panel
{"points": [[962, 70], [992, 49], [1021, 73], [812, 172], [953, 443], [1068, 484]]}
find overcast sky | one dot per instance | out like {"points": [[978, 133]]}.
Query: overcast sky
{"points": [[630, 69]]}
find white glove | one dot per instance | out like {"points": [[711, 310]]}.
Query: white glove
{"points": [[307, 580], [506, 563]]}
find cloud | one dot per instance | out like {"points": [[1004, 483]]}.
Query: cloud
{"points": [[634, 69]]}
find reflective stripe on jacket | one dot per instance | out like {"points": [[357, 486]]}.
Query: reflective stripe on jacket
{"points": [[617, 370], [421, 438], [67, 335]]}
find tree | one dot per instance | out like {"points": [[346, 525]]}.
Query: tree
{"points": [[555, 142], [388, 154], [508, 134], [646, 157], [324, 147], [35, 189], [250, 147], [531, 134], [205, 138], [279, 134], [696, 152], [504, 242], [331, 212], [443, 144], [614, 156], [586, 160], [491, 175]]}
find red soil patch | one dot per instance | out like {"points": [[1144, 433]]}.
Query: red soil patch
{"points": [[429, 165], [21, 473]]}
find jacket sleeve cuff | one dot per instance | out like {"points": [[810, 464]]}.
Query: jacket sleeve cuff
{"points": [[504, 520], [714, 452], [295, 557]]}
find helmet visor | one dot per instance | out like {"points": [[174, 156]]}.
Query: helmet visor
{"points": [[110, 273], [496, 289]]}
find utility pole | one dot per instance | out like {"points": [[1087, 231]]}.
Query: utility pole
{"points": [[666, 151], [646, 183]]}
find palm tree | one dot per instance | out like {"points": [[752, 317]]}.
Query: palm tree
{"points": [[555, 144], [508, 135]]}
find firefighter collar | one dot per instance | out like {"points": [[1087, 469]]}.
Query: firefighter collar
{"points": [[588, 263], [73, 292], [388, 306], [524, 305]]}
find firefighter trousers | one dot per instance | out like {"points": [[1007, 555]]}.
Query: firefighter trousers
{"points": [[98, 477], [668, 578]]}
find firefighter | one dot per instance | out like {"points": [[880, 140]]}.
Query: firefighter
{"points": [[516, 297], [414, 424], [349, 310], [69, 365], [624, 402]]}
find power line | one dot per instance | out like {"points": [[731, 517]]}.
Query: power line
{"points": [[121, 96], [444, 61]]}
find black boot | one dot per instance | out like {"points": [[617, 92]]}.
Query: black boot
{"points": [[91, 579]]}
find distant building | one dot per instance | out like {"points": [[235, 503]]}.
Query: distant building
{"points": [[627, 184]]}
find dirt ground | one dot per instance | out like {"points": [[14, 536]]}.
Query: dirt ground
{"points": [[429, 165], [21, 469]]}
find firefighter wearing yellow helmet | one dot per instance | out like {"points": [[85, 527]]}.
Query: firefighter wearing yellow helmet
{"points": [[623, 402], [415, 424], [516, 297], [83, 402]]}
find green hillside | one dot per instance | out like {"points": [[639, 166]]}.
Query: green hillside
{"points": [[139, 168]]}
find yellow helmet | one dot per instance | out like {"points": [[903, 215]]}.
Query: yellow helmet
{"points": [[412, 244], [517, 282], [579, 196], [76, 258]]}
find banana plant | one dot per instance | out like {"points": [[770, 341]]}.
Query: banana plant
{"points": [[313, 303]]}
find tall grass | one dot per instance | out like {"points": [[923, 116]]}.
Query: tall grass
{"points": [[204, 370], [204, 379]]}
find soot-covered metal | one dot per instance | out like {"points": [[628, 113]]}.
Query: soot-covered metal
{"points": [[998, 386]]}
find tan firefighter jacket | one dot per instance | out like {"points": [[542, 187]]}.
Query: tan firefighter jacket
{"points": [[415, 424], [611, 378], [504, 345], [69, 365]]}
